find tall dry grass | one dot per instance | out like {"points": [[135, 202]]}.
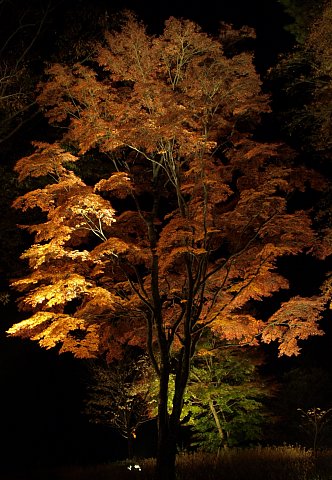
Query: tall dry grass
{"points": [[265, 463]]}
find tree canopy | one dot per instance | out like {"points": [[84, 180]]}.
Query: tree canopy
{"points": [[182, 232]]}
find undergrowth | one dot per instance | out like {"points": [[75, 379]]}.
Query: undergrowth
{"points": [[259, 463]]}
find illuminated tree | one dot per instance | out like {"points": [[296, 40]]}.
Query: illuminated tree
{"points": [[183, 233], [118, 395], [224, 399]]}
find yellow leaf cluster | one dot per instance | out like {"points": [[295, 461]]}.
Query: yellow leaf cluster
{"points": [[91, 206], [39, 254], [50, 329], [60, 292]]}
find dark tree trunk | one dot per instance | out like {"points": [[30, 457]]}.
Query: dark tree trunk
{"points": [[130, 446], [167, 448], [166, 456], [169, 425], [167, 434]]}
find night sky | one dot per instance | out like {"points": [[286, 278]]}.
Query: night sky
{"points": [[41, 392]]}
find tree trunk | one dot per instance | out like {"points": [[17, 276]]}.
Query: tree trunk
{"points": [[167, 431], [218, 425], [166, 455], [169, 425], [130, 446]]}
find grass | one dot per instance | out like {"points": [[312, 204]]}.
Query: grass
{"points": [[265, 463]]}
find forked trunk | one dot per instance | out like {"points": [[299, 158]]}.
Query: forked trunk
{"points": [[169, 425]]}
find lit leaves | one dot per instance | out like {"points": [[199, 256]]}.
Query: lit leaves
{"points": [[50, 329], [47, 198], [98, 303], [76, 87], [39, 254], [203, 209], [182, 42], [238, 328], [92, 212], [295, 320], [172, 88], [115, 249], [59, 293], [119, 184], [126, 53], [73, 211], [48, 159]]}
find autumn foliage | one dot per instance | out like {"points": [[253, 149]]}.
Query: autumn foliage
{"points": [[185, 231]]}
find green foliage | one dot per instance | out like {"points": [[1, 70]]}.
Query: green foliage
{"points": [[224, 399], [303, 13], [243, 422]]}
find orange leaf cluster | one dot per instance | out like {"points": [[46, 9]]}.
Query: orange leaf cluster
{"points": [[48, 159], [295, 320], [184, 230]]}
